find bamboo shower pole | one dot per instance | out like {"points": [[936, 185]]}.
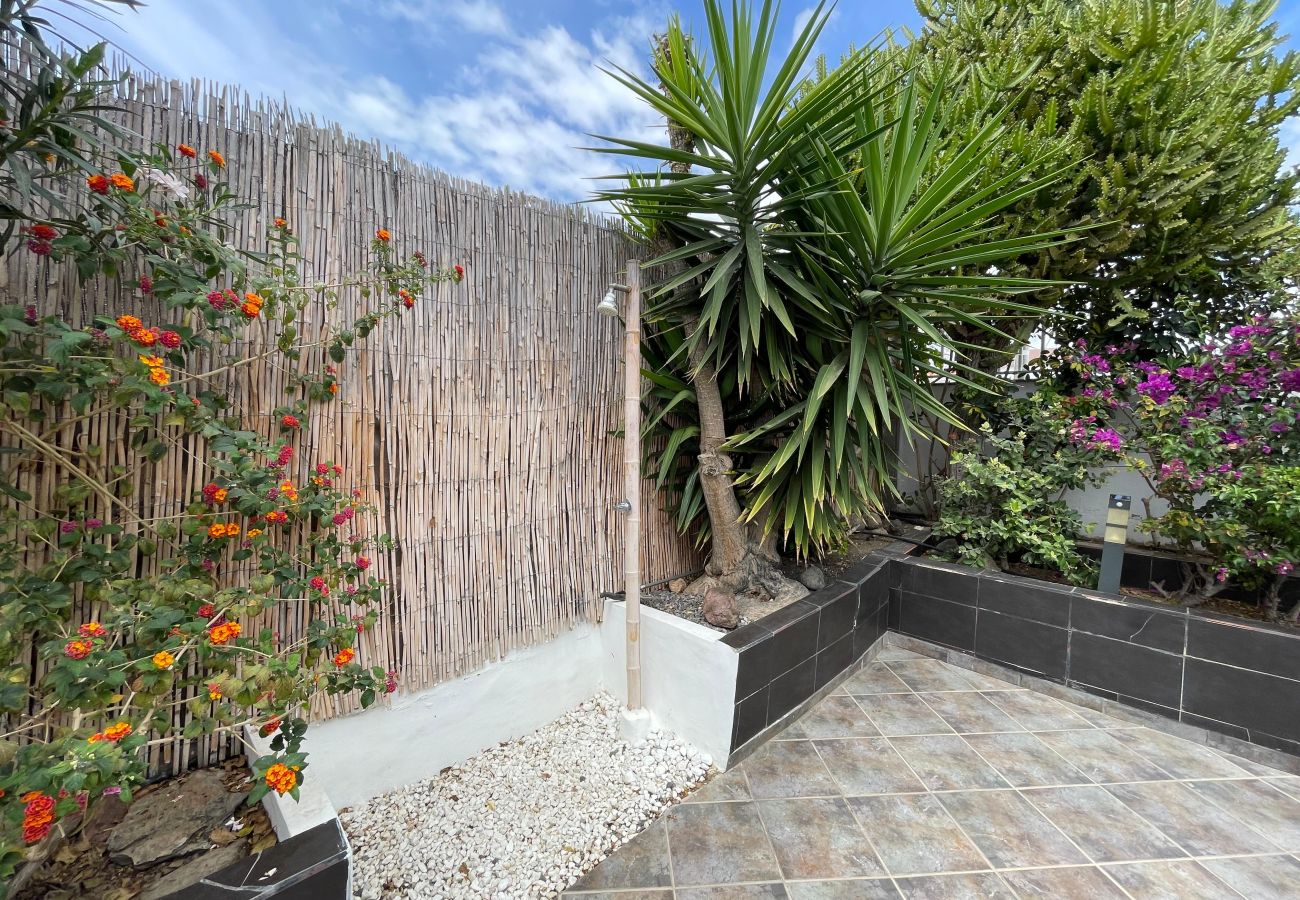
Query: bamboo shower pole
{"points": [[632, 479]]}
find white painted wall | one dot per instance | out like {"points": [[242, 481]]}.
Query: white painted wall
{"points": [[369, 753], [688, 676], [688, 684]]}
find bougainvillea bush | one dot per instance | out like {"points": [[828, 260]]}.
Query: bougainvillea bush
{"points": [[1216, 434], [1214, 431], [135, 642]]}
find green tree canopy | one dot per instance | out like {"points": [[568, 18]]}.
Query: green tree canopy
{"points": [[1172, 110]]}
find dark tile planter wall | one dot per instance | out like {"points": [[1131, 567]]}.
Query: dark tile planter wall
{"points": [[314, 865], [791, 654], [1144, 568], [1232, 676]]}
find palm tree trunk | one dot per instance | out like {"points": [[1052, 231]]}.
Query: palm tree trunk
{"points": [[730, 536]]}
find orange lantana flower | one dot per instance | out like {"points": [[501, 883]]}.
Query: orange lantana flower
{"points": [[383, 234], [129, 323], [163, 660], [122, 182], [281, 779], [186, 151], [344, 656], [159, 377], [150, 361], [143, 336], [224, 633], [117, 731], [92, 629], [217, 158], [98, 183]]}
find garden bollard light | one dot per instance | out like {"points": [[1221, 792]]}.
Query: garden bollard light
{"points": [[1118, 511]]}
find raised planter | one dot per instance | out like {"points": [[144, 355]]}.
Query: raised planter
{"points": [[799, 652], [1231, 676], [1143, 568]]}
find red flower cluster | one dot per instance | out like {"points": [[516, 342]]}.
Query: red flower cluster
{"points": [[219, 300], [38, 816], [78, 648], [290, 422], [207, 611], [214, 494], [40, 237]]}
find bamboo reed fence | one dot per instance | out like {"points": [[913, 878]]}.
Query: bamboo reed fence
{"points": [[483, 426]]}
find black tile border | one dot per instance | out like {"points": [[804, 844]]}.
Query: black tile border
{"points": [[1234, 676], [797, 652], [314, 864]]}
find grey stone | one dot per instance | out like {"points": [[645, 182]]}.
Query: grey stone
{"points": [[194, 870], [159, 826], [813, 578], [678, 585]]}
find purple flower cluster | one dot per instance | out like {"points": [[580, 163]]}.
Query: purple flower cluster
{"points": [[1159, 387]]}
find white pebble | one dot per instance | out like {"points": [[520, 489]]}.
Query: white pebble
{"points": [[529, 817]]}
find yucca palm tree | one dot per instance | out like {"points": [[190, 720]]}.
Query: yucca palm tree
{"points": [[818, 243]]}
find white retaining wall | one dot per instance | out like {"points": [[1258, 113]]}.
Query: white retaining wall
{"points": [[688, 681]]}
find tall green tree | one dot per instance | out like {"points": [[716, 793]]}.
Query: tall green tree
{"points": [[818, 261], [1172, 110]]}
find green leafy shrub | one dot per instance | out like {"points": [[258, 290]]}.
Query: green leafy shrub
{"points": [[1004, 499]]}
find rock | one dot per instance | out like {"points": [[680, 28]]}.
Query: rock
{"points": [[720, 608], [813, 578], [194, 870], [161, 825], [677, 585], [788, 592], [948, 545]]}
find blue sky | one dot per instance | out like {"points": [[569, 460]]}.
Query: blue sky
{"points": [[500, 91]]}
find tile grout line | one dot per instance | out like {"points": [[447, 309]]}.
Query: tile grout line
{"points": [[1086, 855]]}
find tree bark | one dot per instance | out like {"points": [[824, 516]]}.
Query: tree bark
{"points": [[730, 536], [741, 559]]}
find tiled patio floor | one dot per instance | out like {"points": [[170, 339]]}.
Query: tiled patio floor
{"points": [[918, 779]]}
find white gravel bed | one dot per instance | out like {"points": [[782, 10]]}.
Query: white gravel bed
{"points": [[524, 819]]}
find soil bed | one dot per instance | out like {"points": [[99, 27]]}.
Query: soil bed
{"points": [[82, 867], [751, 608]]}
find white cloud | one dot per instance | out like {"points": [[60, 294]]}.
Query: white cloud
{"points": [[801, 22], [473, 16], [503, 106]]}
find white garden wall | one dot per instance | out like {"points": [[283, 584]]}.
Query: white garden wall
{"points": [[688, 680]]}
